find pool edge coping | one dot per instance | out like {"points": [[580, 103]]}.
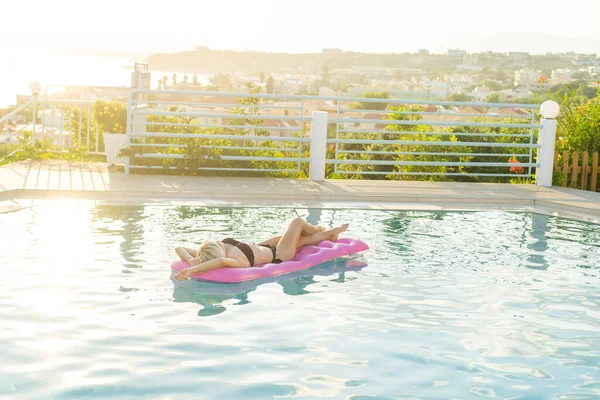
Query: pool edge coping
{"points": [[15, 198]]}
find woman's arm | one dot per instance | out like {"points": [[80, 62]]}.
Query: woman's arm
{"points": [[186, 254], [208, 266]]}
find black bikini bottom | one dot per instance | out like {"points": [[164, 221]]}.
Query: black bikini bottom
{"points": [[274, 250]]}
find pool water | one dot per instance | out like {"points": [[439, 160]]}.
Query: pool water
{"points": [[444, 305]]}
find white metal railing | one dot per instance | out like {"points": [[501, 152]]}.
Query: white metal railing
{"points": [[361, 140], [254, 132], [17, 110], [321, 136], [399, 124], [65, 123], [69, 123], [8, 136]]}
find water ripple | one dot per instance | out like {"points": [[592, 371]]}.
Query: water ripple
{"points": [[449, 305]]}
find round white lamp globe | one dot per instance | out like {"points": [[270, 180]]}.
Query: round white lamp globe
{"points": [[549, 109], [35, 87]]}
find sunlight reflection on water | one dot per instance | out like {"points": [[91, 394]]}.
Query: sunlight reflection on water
{"points": [[462, 305]]}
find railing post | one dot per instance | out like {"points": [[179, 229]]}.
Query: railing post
{"points": [[128, 128], [546, 140], [34, 119], [318, 145], [35, 88]]}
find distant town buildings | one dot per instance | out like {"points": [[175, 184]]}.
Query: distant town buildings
{"points": [[586, 60], [456, 53], [562, 75], [519, 58], [512, 76], [480, 93], [333, 51]]}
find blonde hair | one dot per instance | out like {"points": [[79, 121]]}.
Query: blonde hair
{"points": [[210, 250]]}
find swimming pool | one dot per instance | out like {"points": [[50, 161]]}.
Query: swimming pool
{"points": [[449, 305]]}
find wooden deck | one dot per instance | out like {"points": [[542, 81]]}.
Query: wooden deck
{"points": [[34, 180]]}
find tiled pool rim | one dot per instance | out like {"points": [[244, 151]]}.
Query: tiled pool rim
{"points": [[29, 182]]}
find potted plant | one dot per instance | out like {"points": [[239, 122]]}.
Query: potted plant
{"points": [[113, 144], [112, 120]]}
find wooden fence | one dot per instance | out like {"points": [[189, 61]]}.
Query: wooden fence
{"points": [[584, 176]]}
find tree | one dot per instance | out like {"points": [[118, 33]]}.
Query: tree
{"points": [[384, 157], [501, 75], [270, 84], [340, 87], [547, 73], [581, 75], [492, 84], [221, 81], [492, 98], [492, 134], [586, 91], [410, 153], [367, 105], [458, 97], [248, 106], [579, 123], [262, 77], [111, 116]]}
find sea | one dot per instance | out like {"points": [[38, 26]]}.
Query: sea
{"points": [[19, 69]]}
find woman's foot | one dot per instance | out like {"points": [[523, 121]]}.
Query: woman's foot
{"points": [[317, 237], [335, 232]]}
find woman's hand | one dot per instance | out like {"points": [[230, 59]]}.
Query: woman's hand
{"points": [[184, 274], [195, 261], [200, 267]]}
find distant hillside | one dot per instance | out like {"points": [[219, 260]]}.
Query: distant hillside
{"points": [[211, 61], [534, 42]]}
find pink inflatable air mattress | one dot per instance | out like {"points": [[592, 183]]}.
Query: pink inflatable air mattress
{"points": [[306, 257]]}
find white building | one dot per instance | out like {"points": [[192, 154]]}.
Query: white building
{"points": [[438, 89], [514, 94], [562, 75], [480, 93], [527, 78], [325, 91], [460, 79]]}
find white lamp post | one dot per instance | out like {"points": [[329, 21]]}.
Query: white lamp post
{"points": [[549, 109], [35, 87], [546, 139]]}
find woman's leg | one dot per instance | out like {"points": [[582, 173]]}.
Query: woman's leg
{"points": [[301, 233], [306, 231], [270, 242], [331, 234], [307, 228]]}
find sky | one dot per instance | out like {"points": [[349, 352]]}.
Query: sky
{"points": [[379, 26]]}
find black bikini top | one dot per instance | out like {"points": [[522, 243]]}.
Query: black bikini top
{"points": [[248, 251], [243, 247]]}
